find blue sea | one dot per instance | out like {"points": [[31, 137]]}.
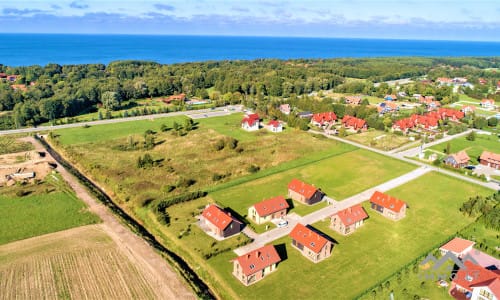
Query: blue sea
{"points": [[41, 49]]}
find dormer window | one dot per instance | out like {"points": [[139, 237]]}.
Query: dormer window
{"points": [[252, 266], [468, 278]]}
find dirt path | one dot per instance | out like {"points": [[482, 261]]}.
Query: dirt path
{"points": [[168, 284]]}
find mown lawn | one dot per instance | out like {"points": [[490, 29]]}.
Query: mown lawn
{"points": [[99, 133], [339, 177], [379, 139], [37, 214], [231, 126], [473, 148], [375, 251]]}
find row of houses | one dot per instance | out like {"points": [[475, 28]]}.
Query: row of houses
{"points": [[429, 121], [9, 78], [461, 159], [327, 119], [251, 122]]}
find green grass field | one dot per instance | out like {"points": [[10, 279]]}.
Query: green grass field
{"points": [[37, 214], [379, 139], [372, 253], [231, 126], [473, 148], [339, 177], [9, 144]]}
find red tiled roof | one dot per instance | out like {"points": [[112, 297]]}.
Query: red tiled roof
{"points": [[251, 119], [490, 157], [461, 157], [353, 99], [21, 87], [274, 123], [308, 238], [325, 117], [352, 215], [444, 79], [468, 107], [217, 216], [475, 275], [449, 112], [257, 260], [178, 97], [492, 284], [270, 206], [457, 245], [302, 188], [484, 101], [404, 124], [349, 121], [387, 201]]}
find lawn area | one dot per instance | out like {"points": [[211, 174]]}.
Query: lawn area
{"points": [[99, 133], [473, 148], [37, 214], [231, 126], [340, 176], [10, 144], [375, 251], [379, 139]]}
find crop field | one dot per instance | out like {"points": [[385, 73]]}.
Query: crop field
{"points": [[340, 176], [376, 250], [183, 163], [80, 263], [473, 148]]}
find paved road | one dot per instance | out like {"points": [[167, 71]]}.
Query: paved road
{"points": [[195, 114], [416, 150], [321, 214], [166, 282]]}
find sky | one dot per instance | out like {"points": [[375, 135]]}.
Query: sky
{"points": [[410, 19]]}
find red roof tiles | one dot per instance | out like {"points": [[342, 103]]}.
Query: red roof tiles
{"points": [[308, 238], [352, 215], [259, 259], [387, 201], [356, 100], [490, 157], [325, 117], [474, 275], [353, 122], [461, 157], [274, 123], [302, 188], [457, 245], [251, 119], [270, 206], [217, 216]]}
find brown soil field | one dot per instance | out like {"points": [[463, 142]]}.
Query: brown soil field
{"points": [[80, 263]]}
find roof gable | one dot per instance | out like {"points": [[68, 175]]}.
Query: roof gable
{"points": [[302, 188], [270, 206], [387, 201], [352, 215], [257, 260], [309, 238], [474, 275], [218, 217], [251, 119], [461, 157], [490, 157]]}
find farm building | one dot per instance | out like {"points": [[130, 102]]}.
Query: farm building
{"points": [[310, 243], [268, 210], [457, 160], [348, 220], [490, 159], [251, 122], [388, 206], [303, 192], [219, 222], [255, 265]]}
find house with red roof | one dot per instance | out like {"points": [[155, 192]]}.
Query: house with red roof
{"points": [[304, 193], [255, 265], [387, 106], [323, 119], [348, 220], [310, 243], [450, 114], [475, 282], [219, 222], [267, 210], [354, 123], [3, 76], [403, 125], [285, 108], [482, 81], [468, 109], [490, 159], [179, 98], [429, 121], [488, 104], [251, 122], [388, 206], [20, 87], [353, 100], [458, 160], [457, 246], [444, 81], [274, 126], [12, 78]]}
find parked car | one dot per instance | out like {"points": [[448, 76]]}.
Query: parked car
{"points": [[470, 167], [283, 223]]}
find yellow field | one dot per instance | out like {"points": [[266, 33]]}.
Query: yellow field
{"points": [[80, 263]]}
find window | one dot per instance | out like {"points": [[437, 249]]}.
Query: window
{"points": [[252, 266], [485, 294]]}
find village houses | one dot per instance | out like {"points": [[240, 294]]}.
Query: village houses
{"points": [[354, 123], [476, 282], [488, 104], [304, 193], [251, 122], [274, 126], [219, 222], [458, 160], [255, 265], [323, 119], [310, 243], [490, 159], [388, 206], [353, 100], [267, 210], [458, 247], [348, 220]]}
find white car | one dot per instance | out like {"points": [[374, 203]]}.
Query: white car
{"points": [[283, 223]]}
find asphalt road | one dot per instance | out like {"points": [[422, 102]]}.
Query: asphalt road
{"points": [[194, 114]]}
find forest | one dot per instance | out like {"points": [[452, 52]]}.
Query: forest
{"points": [[54, 91]]}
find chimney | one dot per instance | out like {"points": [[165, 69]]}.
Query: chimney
{"points": [[257, 254], [248, 256]]}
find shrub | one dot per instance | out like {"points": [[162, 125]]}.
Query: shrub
{"points": [[219, 145], [253, 169]]}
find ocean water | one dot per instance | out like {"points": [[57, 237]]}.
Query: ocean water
{"points": [[40, 49]]}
